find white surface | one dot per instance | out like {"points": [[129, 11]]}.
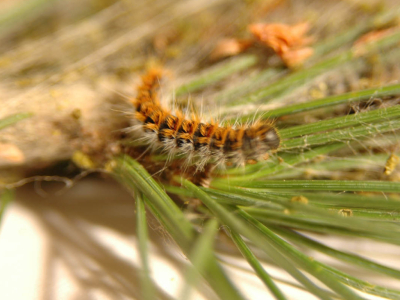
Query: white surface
{"points": [[22, 254]]}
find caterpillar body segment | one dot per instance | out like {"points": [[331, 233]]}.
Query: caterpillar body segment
{"points": [[202, 143]]}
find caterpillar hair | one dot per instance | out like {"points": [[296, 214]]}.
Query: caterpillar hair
{"points": [[202, 143]]}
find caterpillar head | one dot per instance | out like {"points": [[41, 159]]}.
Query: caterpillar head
{"points": [[270, 138]]}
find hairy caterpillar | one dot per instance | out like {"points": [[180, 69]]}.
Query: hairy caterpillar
{"points": [[202, 143]]}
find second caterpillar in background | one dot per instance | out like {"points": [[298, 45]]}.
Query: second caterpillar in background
{"points": [[202, 143]]}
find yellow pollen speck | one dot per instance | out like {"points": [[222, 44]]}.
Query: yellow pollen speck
{"points": [[391, 164], [300, 199], [345, 212], [82, 160], [110, 165]]}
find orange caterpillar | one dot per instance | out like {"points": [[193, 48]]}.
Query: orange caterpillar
{"points": [[202, 143]]}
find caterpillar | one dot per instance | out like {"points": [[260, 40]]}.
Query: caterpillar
{"points": [[202, 142]]}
